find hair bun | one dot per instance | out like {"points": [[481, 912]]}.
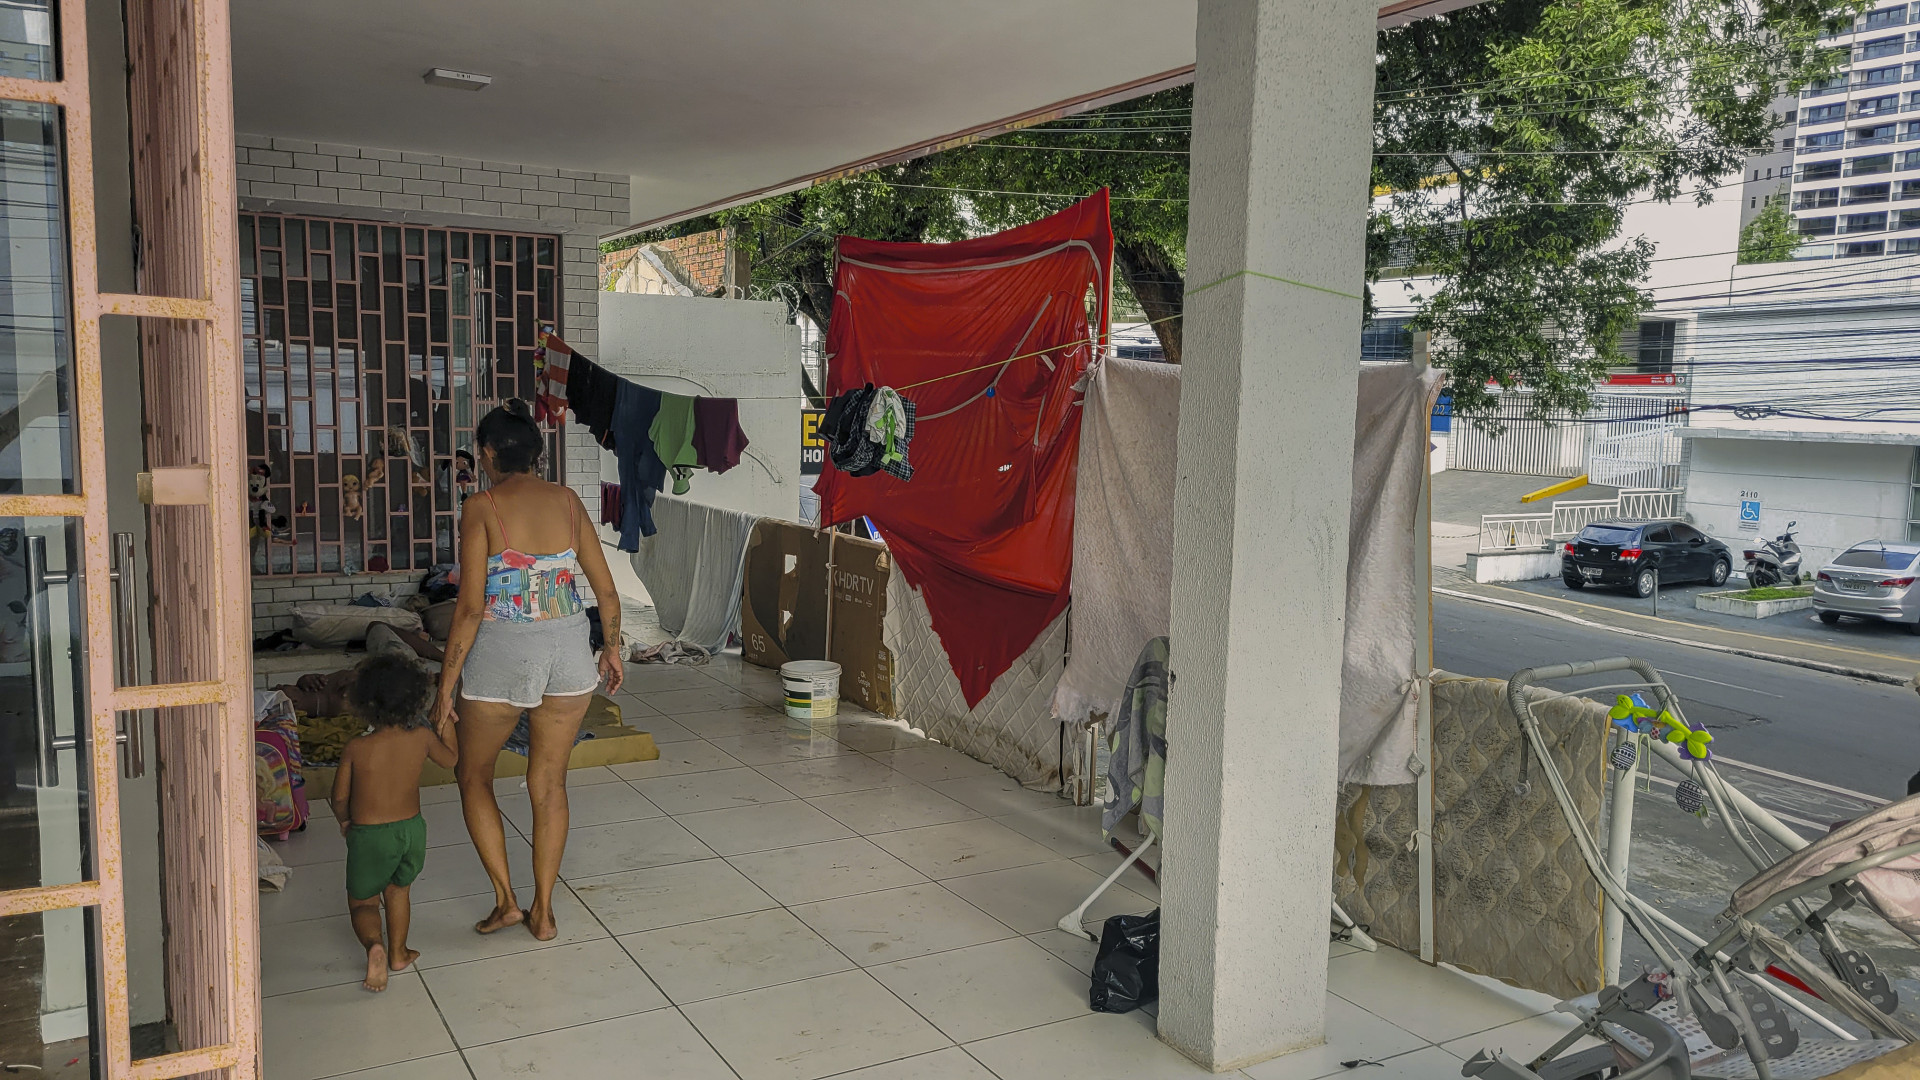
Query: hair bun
{"points": [[517, 407]]}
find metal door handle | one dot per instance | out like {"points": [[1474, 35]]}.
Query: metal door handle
{"points": [[38, 647], [133, 757], [39, 578]]}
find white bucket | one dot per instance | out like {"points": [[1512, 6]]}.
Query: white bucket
{"points": [[813, 688]]}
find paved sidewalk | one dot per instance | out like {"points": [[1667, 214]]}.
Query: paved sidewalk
{"points": [[1887, 651]]}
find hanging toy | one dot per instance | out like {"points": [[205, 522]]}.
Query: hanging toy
{"points": [[1624, 756], [1690, 797], [1693, 741]]}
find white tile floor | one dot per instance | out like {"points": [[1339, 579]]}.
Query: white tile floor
{"points": [[769, 902]]}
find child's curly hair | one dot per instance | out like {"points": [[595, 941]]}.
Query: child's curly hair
{"points": [[391, 691]]}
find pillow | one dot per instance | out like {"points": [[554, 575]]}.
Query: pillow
{"points": [[438, 619], [326, 625]]}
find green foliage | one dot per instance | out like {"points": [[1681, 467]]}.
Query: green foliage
{"points": [[1772, 592], [1769, 237], [1551, 115]]}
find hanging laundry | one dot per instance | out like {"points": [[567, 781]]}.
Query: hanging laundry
{"points": [[672, 435], [610, 505], [845, 429], [717, 437], [550, 361], [890, 425], [592, 392], [642, 474]]}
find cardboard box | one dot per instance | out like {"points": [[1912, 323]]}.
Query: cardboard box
{"points": [[792, 599]]}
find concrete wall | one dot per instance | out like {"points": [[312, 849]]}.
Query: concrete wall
{"points": [[717, 348], [1841, 493], [273, 597]]}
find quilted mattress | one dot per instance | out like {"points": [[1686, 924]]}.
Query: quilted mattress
{"points": [[1513, 899], [1012, 728]]}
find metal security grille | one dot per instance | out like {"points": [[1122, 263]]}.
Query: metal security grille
{"points": [[371, 350]]}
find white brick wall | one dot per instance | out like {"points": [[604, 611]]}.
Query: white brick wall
{"points": [[273, 596], [294, 176]]}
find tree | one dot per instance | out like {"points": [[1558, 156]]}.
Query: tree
{"points": [[790, 238], [1769, 237], [1138, 149], [1545, 118]]}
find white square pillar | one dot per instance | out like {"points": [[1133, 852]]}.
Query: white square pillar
{"points": [[1283, 133]]}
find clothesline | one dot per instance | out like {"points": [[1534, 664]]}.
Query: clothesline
{"points": [[1150, 322], [1023, 356]]}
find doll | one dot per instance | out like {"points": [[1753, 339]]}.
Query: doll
{"points": [[350, 496], [259, 508], [463, 473]]}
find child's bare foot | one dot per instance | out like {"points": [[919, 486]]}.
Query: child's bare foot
{"points": [[376, 968], [402, 959], [502, 917], [542, 926]]}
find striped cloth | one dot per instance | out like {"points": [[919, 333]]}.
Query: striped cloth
{"points": [[1137, 743], [550, 357]]}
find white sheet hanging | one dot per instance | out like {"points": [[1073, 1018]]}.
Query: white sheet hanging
{"points": [[1378, 691], [1123, 551], [692, 568], [1122, 531]]}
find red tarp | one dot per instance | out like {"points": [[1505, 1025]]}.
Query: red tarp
{"points": [[985, 528]]}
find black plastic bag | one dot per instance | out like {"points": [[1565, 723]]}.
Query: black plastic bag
{"points": [[1126, 973]]}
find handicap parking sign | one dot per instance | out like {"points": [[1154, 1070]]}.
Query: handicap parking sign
{"points": [[1749, 513]]}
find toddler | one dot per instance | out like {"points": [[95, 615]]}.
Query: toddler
{"points": [[376, 796]]}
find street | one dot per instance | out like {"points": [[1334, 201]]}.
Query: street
{"points": [[1835, 730], [1805, 732]]}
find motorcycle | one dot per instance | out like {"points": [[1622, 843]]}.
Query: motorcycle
{"points": [[1774, 561]]}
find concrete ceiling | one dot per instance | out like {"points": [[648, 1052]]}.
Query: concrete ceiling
{"points": [[698, 102]]}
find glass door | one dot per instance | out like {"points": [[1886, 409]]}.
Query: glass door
{"points": [[78, 690]]}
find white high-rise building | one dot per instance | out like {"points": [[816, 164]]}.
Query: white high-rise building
{"points": [[1856, 184]]}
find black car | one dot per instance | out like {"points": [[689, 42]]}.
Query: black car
{"points": [[1628, 553]]}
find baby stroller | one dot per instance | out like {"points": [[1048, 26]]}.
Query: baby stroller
{"points": [[1722, 1007]]}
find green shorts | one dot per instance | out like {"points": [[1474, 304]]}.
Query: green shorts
{"points": [[390, 853]]}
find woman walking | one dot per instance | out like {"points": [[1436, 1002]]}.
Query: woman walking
{"points": [[519, 642]]}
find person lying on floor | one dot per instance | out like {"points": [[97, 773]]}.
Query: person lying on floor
{"points": [[326, 694]]}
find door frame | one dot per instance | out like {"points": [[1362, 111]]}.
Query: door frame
{"points": [[183, 108]]}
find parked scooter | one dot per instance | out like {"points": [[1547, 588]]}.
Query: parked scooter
{"points": [[1774, 561]]}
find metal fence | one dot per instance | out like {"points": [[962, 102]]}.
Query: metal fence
{"points": [[1540, 532], [1635, 453], [1647, 504], [1629, 437], [1516, 532], [1571, 516]]}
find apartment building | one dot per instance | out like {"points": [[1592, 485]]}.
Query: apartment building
{"points": [[1856, 185], [1769, 175]]}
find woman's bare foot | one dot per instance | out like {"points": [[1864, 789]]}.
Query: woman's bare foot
{"points": [[405, 957], [376, 968], [503, 916], [542, 926]]}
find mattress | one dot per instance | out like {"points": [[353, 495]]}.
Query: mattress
{"points": [[1513, 900], [1013, 727]]}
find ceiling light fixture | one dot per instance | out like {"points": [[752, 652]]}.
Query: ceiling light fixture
{"points": [[458, 80]]}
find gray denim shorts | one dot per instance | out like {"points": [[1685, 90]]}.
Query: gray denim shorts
{"points": [[521, 663]]}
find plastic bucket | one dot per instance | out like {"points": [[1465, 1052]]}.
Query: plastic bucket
{"points": [[813, 688]]}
